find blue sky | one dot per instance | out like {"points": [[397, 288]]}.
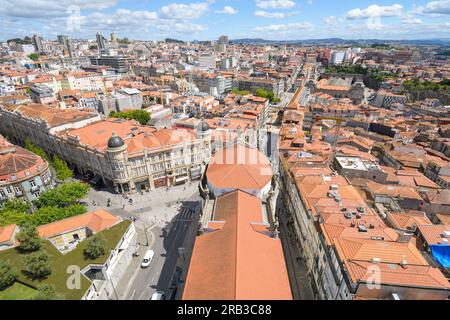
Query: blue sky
{"points": [[208, 19]]}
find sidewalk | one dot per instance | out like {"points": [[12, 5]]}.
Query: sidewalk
{"points": [[122, 288], [301, 288]]}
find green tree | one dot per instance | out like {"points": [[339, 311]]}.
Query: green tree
{"points": [[47, 292], [241, 93], [35, 149], [38, 264], [33, 56], [141, 116], [95, 247], [28, 238], [64, 195], [7, 274], [46, 215], [63, 171], [14, 211]]}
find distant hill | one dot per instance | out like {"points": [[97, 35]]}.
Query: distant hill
{"points": [[338, 41]]}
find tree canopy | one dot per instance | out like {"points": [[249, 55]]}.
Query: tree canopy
{"points": [[35, 149], [7, 274], [28, 238], [47, 292], [66, 194], [34, 56], [53, 205], [38, 264], [95, 247], [62, 170], [141, 116]]}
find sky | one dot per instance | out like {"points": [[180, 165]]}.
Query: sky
{"points": [[208, 19]]}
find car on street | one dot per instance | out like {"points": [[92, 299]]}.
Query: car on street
{"points": [[148, 257], [158, 295]]}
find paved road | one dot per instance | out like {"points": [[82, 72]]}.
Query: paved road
{"points": [[166, 242]]}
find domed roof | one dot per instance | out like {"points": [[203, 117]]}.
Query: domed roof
{"points": [[115, 141], [203, 126], [239, 167]]}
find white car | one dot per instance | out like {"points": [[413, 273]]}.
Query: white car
{"points": [[147, 258], [158, 295]]}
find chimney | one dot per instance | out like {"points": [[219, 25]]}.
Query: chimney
{"points": [[404, 238]]}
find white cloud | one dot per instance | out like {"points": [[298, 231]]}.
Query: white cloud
{"points": [[270, 15], [436, 7], [275, 4], [375, 11], [410, 19], [285, 27], [330, 20], [227, 10], [175, 11], [50, 8]]}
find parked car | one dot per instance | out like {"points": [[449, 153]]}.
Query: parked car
{"points": [[148, 257], [158, 295]]}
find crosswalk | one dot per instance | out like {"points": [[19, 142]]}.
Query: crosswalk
{"points": [[185, 214]]}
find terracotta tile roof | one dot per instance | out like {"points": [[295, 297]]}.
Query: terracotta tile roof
{"points": [[443, 218], [54, 117], [408, 220], [393, 190], [239, 167], [17, 163], [358, 257], [237, 259], [434, 233], [333, 231], [7, 233], [95, 221]]}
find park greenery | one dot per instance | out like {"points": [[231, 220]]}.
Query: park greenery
{"points": [[8, 274], [53, 205], [351, 69], [37, 264], [259, 93], [47, 292], [240, 92], [60, 167], [266, 94], [95, 247], [34, 56], [28, 238], [27, 286], [378, 75], [62, 170], [141, 116], [417, 85]]}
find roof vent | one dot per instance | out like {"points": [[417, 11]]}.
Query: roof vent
{"points": [[361, 210], [348, 215], [362, 228], [334, 187], [446, 234], [404, 264], [444, 241], [376, 260]]}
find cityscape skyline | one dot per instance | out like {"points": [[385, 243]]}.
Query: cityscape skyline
{"points": [[206, 20]]}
